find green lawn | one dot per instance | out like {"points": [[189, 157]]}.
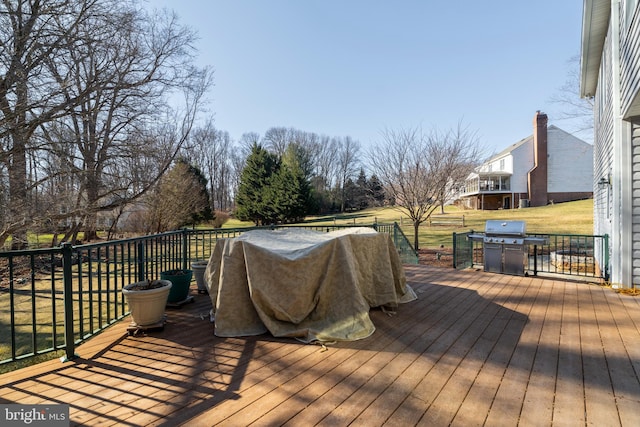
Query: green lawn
{"points": [[562, 218]]}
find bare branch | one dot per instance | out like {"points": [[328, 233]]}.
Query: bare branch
{"points": [[419, 170]]}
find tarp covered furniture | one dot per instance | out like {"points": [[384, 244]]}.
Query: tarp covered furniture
{"points": [[304, 284]]}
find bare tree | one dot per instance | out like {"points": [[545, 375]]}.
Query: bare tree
{"points": [[326, 158], [460, 151], [417, 169], [211, 149], [142, 58], [348, 165], [325, 161], [114, 75], [576, 111], [33, 33], [276, 140], [247, 141]]}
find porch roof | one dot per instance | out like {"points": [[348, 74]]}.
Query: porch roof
{"points": [[595, 23]]}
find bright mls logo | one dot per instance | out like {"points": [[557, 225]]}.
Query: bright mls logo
{"points": [[34, 415]]}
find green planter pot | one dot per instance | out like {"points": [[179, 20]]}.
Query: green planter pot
{"points": [[181, 280]]}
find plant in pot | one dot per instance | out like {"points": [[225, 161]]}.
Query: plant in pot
{"points": [[199, 268], [147, 300], [181, 280]]}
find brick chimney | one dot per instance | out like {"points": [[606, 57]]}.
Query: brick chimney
{"points": [[538, 175]]}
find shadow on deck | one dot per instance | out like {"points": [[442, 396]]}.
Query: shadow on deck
{"points": [[474, 349]]}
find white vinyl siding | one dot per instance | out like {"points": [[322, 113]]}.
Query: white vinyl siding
{"points": [[570, 163], [603, 144], [636, 201], [629, 64], [522, 163]]}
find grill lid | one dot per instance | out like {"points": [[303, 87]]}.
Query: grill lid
{"points": [[505, 228]]}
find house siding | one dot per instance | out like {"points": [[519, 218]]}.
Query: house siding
{"points": [[629, 64], [635, 141], [565, 149], [494, 165], [522, 159], [603, 150], [615, 26]]}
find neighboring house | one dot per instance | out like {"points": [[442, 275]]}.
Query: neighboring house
{"points": [[550, 166], [610, 73]]}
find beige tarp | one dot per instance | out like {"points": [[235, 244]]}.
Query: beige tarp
{"points": [[304, 284]]}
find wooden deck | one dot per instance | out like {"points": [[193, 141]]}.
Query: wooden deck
{"points": [[475, 349]]}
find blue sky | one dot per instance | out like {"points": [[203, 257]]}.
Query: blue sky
{"points": [[355, 67]]}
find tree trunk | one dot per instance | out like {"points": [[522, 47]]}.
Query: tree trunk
{"points": [[91, 230], [416, 227], [18, 192], [18, 209], [91, 217]]}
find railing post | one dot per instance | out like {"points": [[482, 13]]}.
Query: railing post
{"points": [[185, 249], [454, 249], [67, 278], [141, 257], [535, 260], [606, 257], [395, 233]]}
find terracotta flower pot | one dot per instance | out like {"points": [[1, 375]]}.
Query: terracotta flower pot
{"points": [[147, 300]]}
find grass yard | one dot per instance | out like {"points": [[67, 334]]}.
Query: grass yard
{"points": [[562, 218]]}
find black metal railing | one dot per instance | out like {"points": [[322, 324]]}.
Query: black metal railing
{"points": [[575, 255], [53, 299]]}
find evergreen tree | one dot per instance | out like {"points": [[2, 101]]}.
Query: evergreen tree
{"points": [[284, 196], [361, 198], [321, 199], [294, 174], [254, 198], [350, 194], [274, 190], [376, 191]]}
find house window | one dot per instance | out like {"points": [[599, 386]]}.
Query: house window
{"points": [[501, 164]]}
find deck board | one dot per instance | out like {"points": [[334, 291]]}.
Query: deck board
{"points": [[599, 396], [620, 366], [475, 349], [569, 405]]}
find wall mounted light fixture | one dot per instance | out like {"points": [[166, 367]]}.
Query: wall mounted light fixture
{"points": [[604, 181]]}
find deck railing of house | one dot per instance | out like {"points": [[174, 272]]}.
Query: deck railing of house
{"points": [[575, 255], [53, 299]]}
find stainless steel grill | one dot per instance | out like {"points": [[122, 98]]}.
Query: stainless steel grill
{"points": [[505, 246]]}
